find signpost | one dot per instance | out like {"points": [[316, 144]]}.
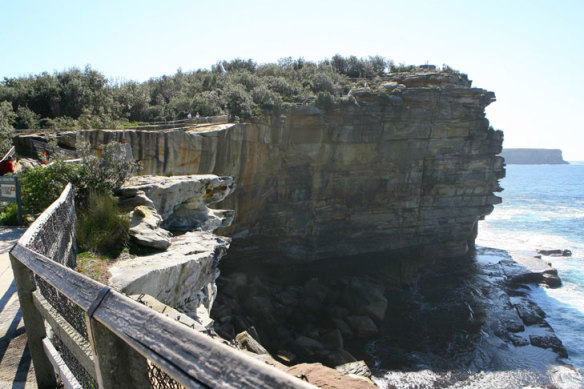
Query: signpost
{"points": [[10, 191]]}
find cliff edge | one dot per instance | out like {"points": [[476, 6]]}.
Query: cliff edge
{"points": [[404, 164]]}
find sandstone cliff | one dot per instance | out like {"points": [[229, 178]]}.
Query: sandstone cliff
{"points": [[533, 156], [405, 163]]}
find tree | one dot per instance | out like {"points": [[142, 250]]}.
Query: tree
{"points": [[7, 118]]}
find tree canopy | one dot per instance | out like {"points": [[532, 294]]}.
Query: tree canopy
{"points": [[85, 98]]}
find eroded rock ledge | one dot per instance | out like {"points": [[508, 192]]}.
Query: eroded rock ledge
{"points": [[182, 274]]}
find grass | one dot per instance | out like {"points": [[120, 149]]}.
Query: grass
{"points": [[94, 266], [9, 215], [101, 228]]}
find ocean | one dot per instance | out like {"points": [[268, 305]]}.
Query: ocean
{"points": [[449, 334], [543, 208]]}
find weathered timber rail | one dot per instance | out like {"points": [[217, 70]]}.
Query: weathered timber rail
{"points": [[171, 124], [178, 124], [92, 336]]}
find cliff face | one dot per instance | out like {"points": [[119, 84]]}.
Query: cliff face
{"points": [[409, 164], [533, 156]]}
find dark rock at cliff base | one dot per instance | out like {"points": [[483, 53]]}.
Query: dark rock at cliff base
{"points": [[530, 314], [531, 270], [555, 253], [548, 277], [551, 342], [363, 326]]}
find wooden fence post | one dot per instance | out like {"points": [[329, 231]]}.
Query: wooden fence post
{"points": [[34, 325], [117, 365]]}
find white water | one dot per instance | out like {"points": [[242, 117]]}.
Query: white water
{"points": [[543, 208]]}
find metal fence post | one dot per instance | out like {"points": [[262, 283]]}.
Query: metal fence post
{"points": [[117, 365], [34, 325]]}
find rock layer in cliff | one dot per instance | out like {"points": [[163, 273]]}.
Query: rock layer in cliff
{"points": [[405, 164]]}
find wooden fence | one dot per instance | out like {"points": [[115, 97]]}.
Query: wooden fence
{"points": [[173, 124], [92, 336]]}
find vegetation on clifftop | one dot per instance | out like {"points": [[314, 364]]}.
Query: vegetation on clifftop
{"points": [[241, 88], [101, 227]]}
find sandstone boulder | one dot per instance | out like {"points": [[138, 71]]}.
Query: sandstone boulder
{"points": [[358, 368], [308, 344], [363, 326], [182, 201], [247, 342], [144, 228], [325, 377], [183, 276]]}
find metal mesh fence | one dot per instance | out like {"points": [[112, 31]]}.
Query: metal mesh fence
{"points": [[160, 380], [71, 312], [81, 375]]}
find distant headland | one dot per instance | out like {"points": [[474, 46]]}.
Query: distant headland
{"points": [[533, 157]]}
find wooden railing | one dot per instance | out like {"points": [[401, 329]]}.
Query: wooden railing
{"points": [[179, 124], [172, 124], [98, 337]]}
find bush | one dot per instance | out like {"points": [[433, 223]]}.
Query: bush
{"points": [[325, 82], [103, 175], [208, 104], [7, 118], [239, 102], [100, 226], [265, 98], [9, 216], [384, 98], [40, 186], [324, 100]]}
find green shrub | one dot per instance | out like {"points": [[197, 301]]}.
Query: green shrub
{"points": [[9, 216], [384, 98], [104, 174], [100, 226], [324, 100], [265, 98], [239, 102], [208, 104], [40, 186], [7, 118]]}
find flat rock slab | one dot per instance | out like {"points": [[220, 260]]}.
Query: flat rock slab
{"points": [[167, 193], [181, 201], [528, 269], [176, 275]]}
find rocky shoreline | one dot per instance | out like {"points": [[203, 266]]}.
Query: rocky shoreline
{"points": [[375, 317], [468, 315]]}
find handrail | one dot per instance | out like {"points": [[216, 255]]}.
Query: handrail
{"points": [[187, 355], [10, 153], [127, 340], [139, 125]]}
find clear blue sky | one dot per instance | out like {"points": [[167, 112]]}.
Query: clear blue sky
{"points": [[530, 53]]}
